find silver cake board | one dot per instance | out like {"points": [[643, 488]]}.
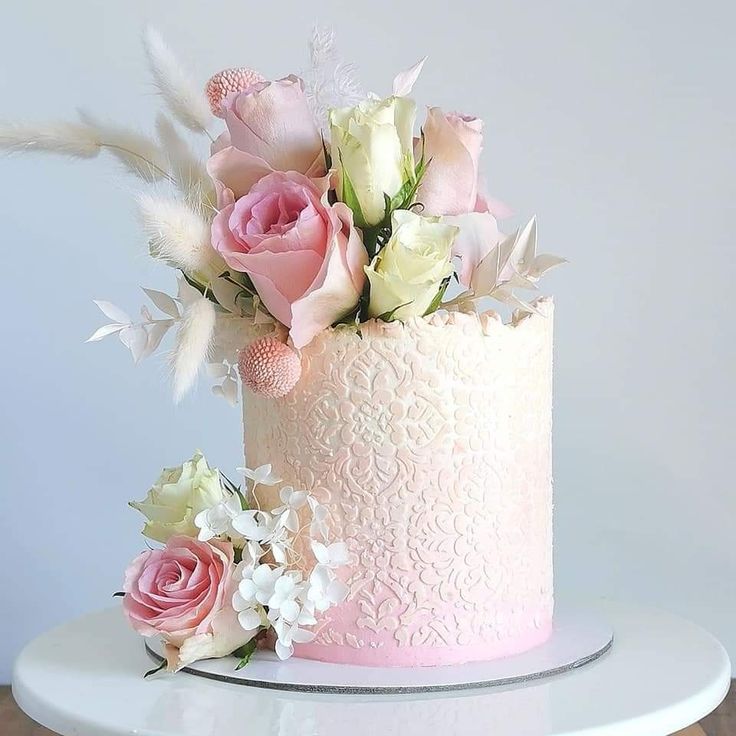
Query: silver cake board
{"points": [[578, 638]]}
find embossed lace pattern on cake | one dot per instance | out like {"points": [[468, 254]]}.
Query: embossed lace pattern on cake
{"points": [[430, 443]]}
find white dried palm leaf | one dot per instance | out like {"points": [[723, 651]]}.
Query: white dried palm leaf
{"points": [[329, 82]]}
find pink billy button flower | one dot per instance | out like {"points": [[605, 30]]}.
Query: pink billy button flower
{"points": [[227, 81], [269, 367]]}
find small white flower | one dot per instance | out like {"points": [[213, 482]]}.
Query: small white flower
{"points": [[279, 543], [320, 518], [254, 525], [284, 599], [261, 527], [289, 634], [261, 476], [251, 615], [252, 553], [288, 513], [216, 520], [324, 589], [258, 584], [332, 556]]}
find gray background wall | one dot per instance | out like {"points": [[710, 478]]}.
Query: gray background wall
{"points": [[613, 121]]}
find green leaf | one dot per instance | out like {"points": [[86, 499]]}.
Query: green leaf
{"points": [[230, 486], [328, 158], [245, 653], [370, 240], [387, 210], [349, 196], [389, 315], [155, 670], [203, 289], [405, 196], [437, 301]]}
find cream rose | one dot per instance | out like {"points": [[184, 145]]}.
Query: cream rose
{"points": [[372, 150], [406, 275], [178, 496]]}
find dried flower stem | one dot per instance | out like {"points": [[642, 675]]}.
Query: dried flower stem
{"points": [[145, 160]]}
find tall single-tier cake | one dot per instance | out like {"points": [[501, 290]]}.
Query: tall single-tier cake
{"points": [[430, 443], [337, 259]]}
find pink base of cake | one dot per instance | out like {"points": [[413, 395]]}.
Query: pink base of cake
{"points": [[426, 656]]}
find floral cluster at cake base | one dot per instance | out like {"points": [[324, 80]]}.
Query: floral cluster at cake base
{"points": [[230, 575]]}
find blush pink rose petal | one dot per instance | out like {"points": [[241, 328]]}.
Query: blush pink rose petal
{"points": [[269, 128], [183, 593], [304, 256], [452, 145]]}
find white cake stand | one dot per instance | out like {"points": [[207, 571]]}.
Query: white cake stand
{"points": [[579, 637], [661, 675]]}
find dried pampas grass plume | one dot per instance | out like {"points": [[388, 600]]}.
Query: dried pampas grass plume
{"points": [[227, 81], [180, 235], [138, 153], [187, 169], [68, 139], [193, 342], [182, 96]]}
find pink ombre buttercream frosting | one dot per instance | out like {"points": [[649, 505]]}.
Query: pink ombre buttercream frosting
{"points": [[430, 442]]}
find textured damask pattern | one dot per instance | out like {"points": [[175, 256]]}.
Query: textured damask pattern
{"points": [[430, 442]]}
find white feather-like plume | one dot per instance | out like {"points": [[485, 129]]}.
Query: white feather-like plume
{"points": [[329, 81], [185, 166], [137, 152], [85, 139], [184, 98], [193, 343], [179, 235], [68, 139]]}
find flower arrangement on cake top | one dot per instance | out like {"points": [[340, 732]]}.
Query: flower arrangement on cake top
{"points": [[316, 206]]}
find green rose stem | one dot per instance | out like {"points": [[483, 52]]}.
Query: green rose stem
{"points": [[370, 241]]}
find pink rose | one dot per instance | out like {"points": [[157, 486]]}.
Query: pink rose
{"points": [[183, 593], [304, 256], [453, 143], [269, 128]]}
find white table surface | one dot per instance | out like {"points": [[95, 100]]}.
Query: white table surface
{"points": [[85, 679]]}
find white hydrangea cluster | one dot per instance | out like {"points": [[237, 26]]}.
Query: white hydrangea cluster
{"points": [[273, 592]]}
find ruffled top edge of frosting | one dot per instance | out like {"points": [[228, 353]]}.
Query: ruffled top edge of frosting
{"points": [[488, 322]]}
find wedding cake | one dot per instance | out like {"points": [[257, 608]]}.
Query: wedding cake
{"points": [[430, 443], [336, 263]]}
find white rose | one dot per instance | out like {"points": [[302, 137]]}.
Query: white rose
{"points": [[372, 149], [406, 275], [178, 496]]}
